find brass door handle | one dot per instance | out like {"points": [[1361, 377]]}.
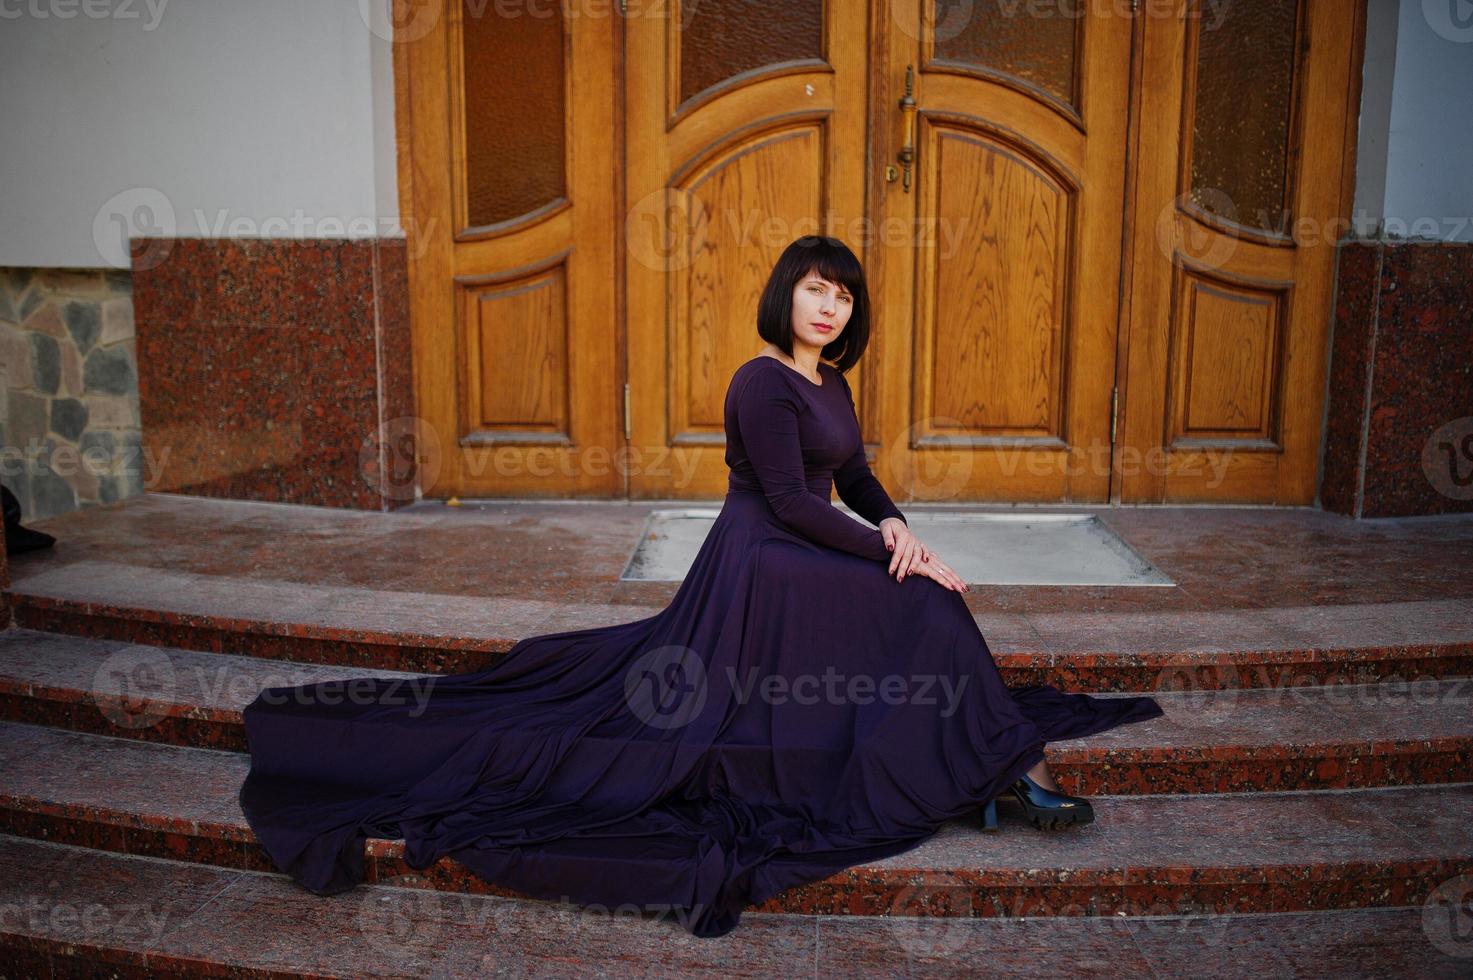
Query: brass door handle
{"points": [[907, 153]]}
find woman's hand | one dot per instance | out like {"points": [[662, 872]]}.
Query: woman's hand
{"points": [[935, 568], [913, 557], [906, 547]]}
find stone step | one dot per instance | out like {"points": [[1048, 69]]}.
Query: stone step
{"points": [[152, 916], [423, 632], [1346, 736], [1152, 854]]}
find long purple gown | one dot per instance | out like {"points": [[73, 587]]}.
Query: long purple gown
{"points": [[792, 712]]}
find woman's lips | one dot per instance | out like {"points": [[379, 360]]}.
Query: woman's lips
{"points": [[822, 326]]}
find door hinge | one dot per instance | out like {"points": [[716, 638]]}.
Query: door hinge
{"points": [[1114, 404], [1135, 5], [626, 410], [623, 6]]}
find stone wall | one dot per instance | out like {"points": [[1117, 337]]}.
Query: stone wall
{"points": [[69, 419]]}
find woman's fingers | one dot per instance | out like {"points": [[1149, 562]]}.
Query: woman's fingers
{"points": [[911, 560], [950, 574], [955, 577], [918, 557], [913, 557], [943, 578], [898, 552]]}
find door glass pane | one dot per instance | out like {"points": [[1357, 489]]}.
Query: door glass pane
{"points": [[1033, 42], [1244, 104], [513, 109], [722, 38]]}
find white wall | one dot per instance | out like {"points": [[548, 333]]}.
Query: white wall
{"points": [[1415, 159], [191, 118], [1382, 17], [275, 117]]}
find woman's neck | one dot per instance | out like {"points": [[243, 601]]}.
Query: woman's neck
{"points": [[804, 358]]}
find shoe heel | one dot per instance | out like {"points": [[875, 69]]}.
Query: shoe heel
{"points": [[989, 815]]}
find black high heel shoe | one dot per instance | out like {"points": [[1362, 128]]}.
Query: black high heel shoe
{"points": [[1044, 808]]}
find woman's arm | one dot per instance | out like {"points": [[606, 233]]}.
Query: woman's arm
{"points": [[857, 485], [767, 416]]}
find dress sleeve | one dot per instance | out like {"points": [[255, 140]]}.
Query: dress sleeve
{"points": [[857, 485], [767, 417]]}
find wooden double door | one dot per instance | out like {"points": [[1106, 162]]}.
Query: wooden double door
{"points": [[1099, 240]]}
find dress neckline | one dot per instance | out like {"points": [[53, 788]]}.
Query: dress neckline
{"points": [[816, 384]]}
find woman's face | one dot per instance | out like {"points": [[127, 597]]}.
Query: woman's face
{"points": [[820, 310]]}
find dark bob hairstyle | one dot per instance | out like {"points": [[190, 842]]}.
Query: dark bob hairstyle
{"points": [[833, 261]]}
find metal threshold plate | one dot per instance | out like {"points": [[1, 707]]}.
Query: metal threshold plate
{"points": [[984, 548]]}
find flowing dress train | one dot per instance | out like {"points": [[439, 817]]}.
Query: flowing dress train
{"points": [[792, 712]]}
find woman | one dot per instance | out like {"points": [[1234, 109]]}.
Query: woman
{"points": [[815, 696]]}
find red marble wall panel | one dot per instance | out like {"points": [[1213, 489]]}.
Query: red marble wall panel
{"points": [[268, 368], [1350, 347], [1399, 428], [4, 590]]}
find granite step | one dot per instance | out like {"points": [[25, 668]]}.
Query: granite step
{"points": [[424, 632], [1150, 854], [154, 917], [1345, 736], [1301, 809]]}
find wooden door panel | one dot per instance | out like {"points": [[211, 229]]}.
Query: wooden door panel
{"points": [[997, 322], [1240, 181], [512, 190], [997, 304], [1226, 361], [513, 343], [777, 175], [992, 345], [733, 151]]}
